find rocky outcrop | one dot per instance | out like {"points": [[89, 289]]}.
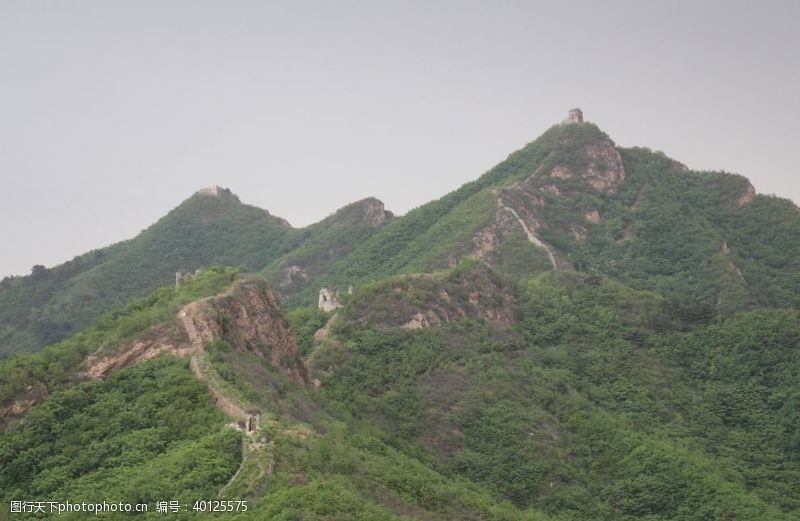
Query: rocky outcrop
{"points": [[525, 204], [170, 338], [375, 213], [421, 301], [600, 167], [517, 208], [16, 409], [605, 171], [369, 211], [249, 318], [748, 195]]}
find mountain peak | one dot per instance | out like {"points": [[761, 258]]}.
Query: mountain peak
{"points": [[217, 191], [370, 211]]}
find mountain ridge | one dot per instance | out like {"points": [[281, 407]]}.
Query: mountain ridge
{"points": [[585, 333], [564, 190]]}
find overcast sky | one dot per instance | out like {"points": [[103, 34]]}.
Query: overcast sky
{"points": [[113, 112]]}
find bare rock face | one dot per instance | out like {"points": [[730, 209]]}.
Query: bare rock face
{"points": [[561, 172], [375, 213], [250, 318], [592, 216], [422, 301], [748, 195], [524, 204], [606, 170], [169, 338]]}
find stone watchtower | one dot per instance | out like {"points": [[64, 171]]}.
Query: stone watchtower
{"points": [[575, 116], [328, 300]]}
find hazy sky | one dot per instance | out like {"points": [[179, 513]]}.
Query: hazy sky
{"points": [[112, 112]]}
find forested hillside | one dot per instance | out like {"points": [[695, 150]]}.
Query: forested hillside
{"points": [[586, 332], [210, 228]]}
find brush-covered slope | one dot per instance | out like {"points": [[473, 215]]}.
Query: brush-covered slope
{"points": [[574, 395], [584, 333], [125, 412], [325, 242], [459, 395], [573, 200], [210, 228]]}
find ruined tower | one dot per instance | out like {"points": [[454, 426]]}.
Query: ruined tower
{"points": [[328, 300], [575, 116]]}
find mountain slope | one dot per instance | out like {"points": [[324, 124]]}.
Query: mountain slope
{"points": [[464, 393], [143, 413], [210, 228], [325, 242], [572, 200], [586, 332], [589, 401]]}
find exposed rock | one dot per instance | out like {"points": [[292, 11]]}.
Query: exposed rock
{"points": [[417, 302], [592, 216], [249, 318], [748, 196], [606, 170], [678, 166], [551, 189], [516, 209], [18, 407], [486, 241], [420, 320], [171, 338], [561, 172], [369, 211], [375, 213], [578, 232]]}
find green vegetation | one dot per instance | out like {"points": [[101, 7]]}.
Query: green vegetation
{"points": [[203, 231], [322, 244], [683, 234], [656, 381], [55, 366], [595, 406], [149, 433], [304, 323]]}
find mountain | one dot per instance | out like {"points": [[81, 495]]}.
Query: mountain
{"points": [[324, 243], [586, 332], [575, 200], [210, 228]]}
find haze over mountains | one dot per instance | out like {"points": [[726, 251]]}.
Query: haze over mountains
{"points": [[584, 332]]}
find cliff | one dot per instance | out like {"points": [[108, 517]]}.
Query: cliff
{"points": [[249, 317]]}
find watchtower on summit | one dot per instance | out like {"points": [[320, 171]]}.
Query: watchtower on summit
{"points": [[575, 116]]}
